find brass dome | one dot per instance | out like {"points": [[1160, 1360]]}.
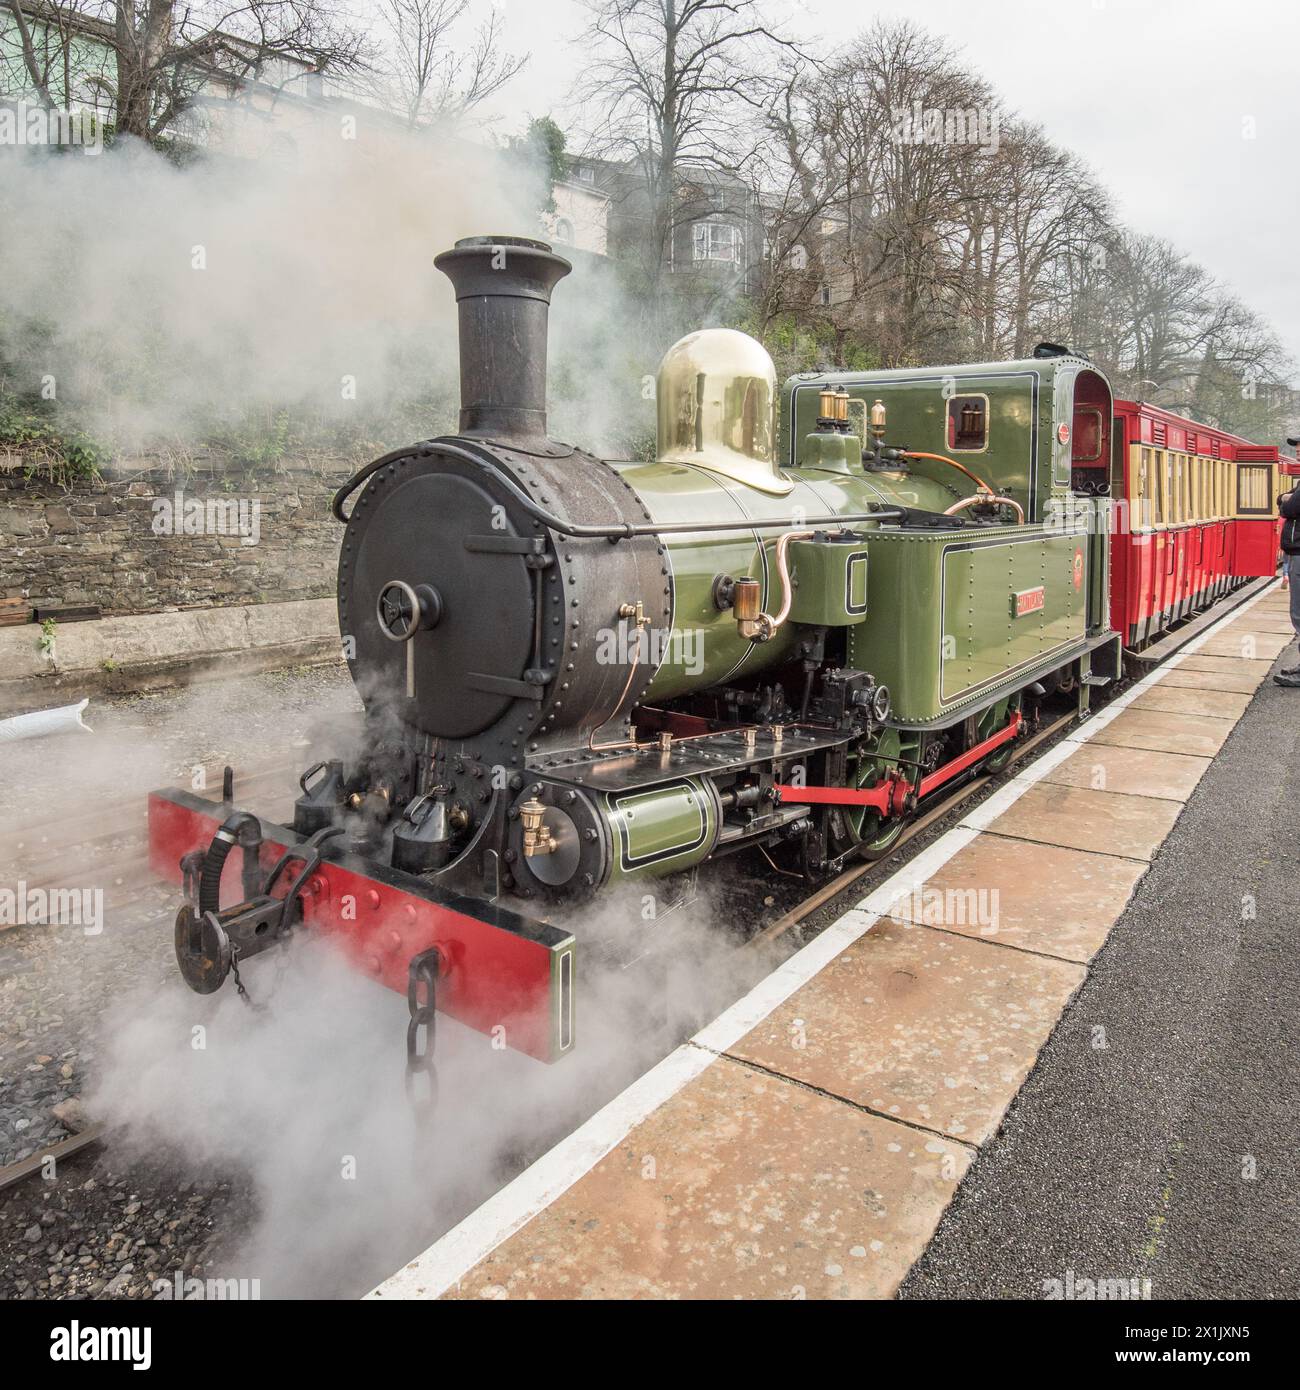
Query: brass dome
{"points": [[717, 408]]}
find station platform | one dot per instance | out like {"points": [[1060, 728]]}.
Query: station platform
{"points": [[808, 1142]]}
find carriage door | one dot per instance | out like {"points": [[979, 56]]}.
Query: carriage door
{"points": [[1255, 520], [1090, 428]]}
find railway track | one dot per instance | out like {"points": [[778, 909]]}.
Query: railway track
{"points": [[110, 843]]}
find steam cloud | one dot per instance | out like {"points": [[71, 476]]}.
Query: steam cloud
{"points": [[305, 1097], [166, 302]]}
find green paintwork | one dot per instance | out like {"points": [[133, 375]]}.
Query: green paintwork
{"points": [[704, 648], [663, 829], [832, 451], [1026, 400], [989, 653], [940, 629], [831, 582]]}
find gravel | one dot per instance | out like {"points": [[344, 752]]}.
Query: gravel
{"points": [[102, 1226]]}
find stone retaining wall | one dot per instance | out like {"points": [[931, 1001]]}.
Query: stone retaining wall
{"points": [[100, 543]]}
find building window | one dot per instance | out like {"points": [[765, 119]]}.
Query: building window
{"points": [[717, 241], [968, 423], [585, 174], [824, 296], [564, 230]]}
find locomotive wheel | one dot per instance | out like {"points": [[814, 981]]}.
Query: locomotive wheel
{"points": [[867, 833], [996, 719]]}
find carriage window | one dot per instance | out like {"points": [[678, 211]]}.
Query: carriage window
{"points": [[1254, 496], [1087, 435], [1152, 491], [968, 423]]}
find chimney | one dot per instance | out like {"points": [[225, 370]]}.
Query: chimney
{"points": [[503, 295]]}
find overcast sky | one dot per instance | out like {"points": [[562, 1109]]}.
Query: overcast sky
{"points": [[1158, 95]]}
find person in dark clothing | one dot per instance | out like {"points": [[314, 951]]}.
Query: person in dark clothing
{"points": [[1289, 506]]}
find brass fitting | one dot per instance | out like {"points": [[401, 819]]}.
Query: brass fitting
{"points": [[376, 800], [747, 608], [537, 838], [878, 420], [842, 407]]}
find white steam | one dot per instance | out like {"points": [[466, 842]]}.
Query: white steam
{"points": [[166, 304], [304, 1097]]}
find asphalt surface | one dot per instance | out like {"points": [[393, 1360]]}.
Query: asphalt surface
{"points": [[1156, 1137]]}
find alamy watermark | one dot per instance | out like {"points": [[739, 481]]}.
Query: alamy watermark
{"points": [[40, 127], [925, 906], [1075, 1288], [651, 647], [947, 125], [193, 1289], [179, 515], [53, 907]]}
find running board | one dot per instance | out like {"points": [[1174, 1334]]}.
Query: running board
{"points": [[1175, 641]]}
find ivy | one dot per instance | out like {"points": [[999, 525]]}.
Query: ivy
{"points": [[48, 447]]}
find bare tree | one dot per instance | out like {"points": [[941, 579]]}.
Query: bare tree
{"points": [[678, 90], [36, 54], [163, 53], [902, 245], [437, 77]]}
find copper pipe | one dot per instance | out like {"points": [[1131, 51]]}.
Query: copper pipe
{"points": [[943, 458]]}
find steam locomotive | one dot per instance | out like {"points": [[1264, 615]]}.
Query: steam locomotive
{"points": [[811, 612]]}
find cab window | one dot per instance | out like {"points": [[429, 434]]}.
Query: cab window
{"points": [[1087, 435], [968, 424]]}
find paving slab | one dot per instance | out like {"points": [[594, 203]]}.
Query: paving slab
{"points": [[1264, 622], [925, 1026], [1246, 643], [1197, 661], [1128, 1160], [1132, 771], [1223, 704], [743, 1185], [1241, 681], [1200, 734], [1131, 827], [984, 892]]}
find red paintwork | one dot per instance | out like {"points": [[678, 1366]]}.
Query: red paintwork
{"points": [[498, 974], [1158, 577], [889, 796], [1257, 545]]}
